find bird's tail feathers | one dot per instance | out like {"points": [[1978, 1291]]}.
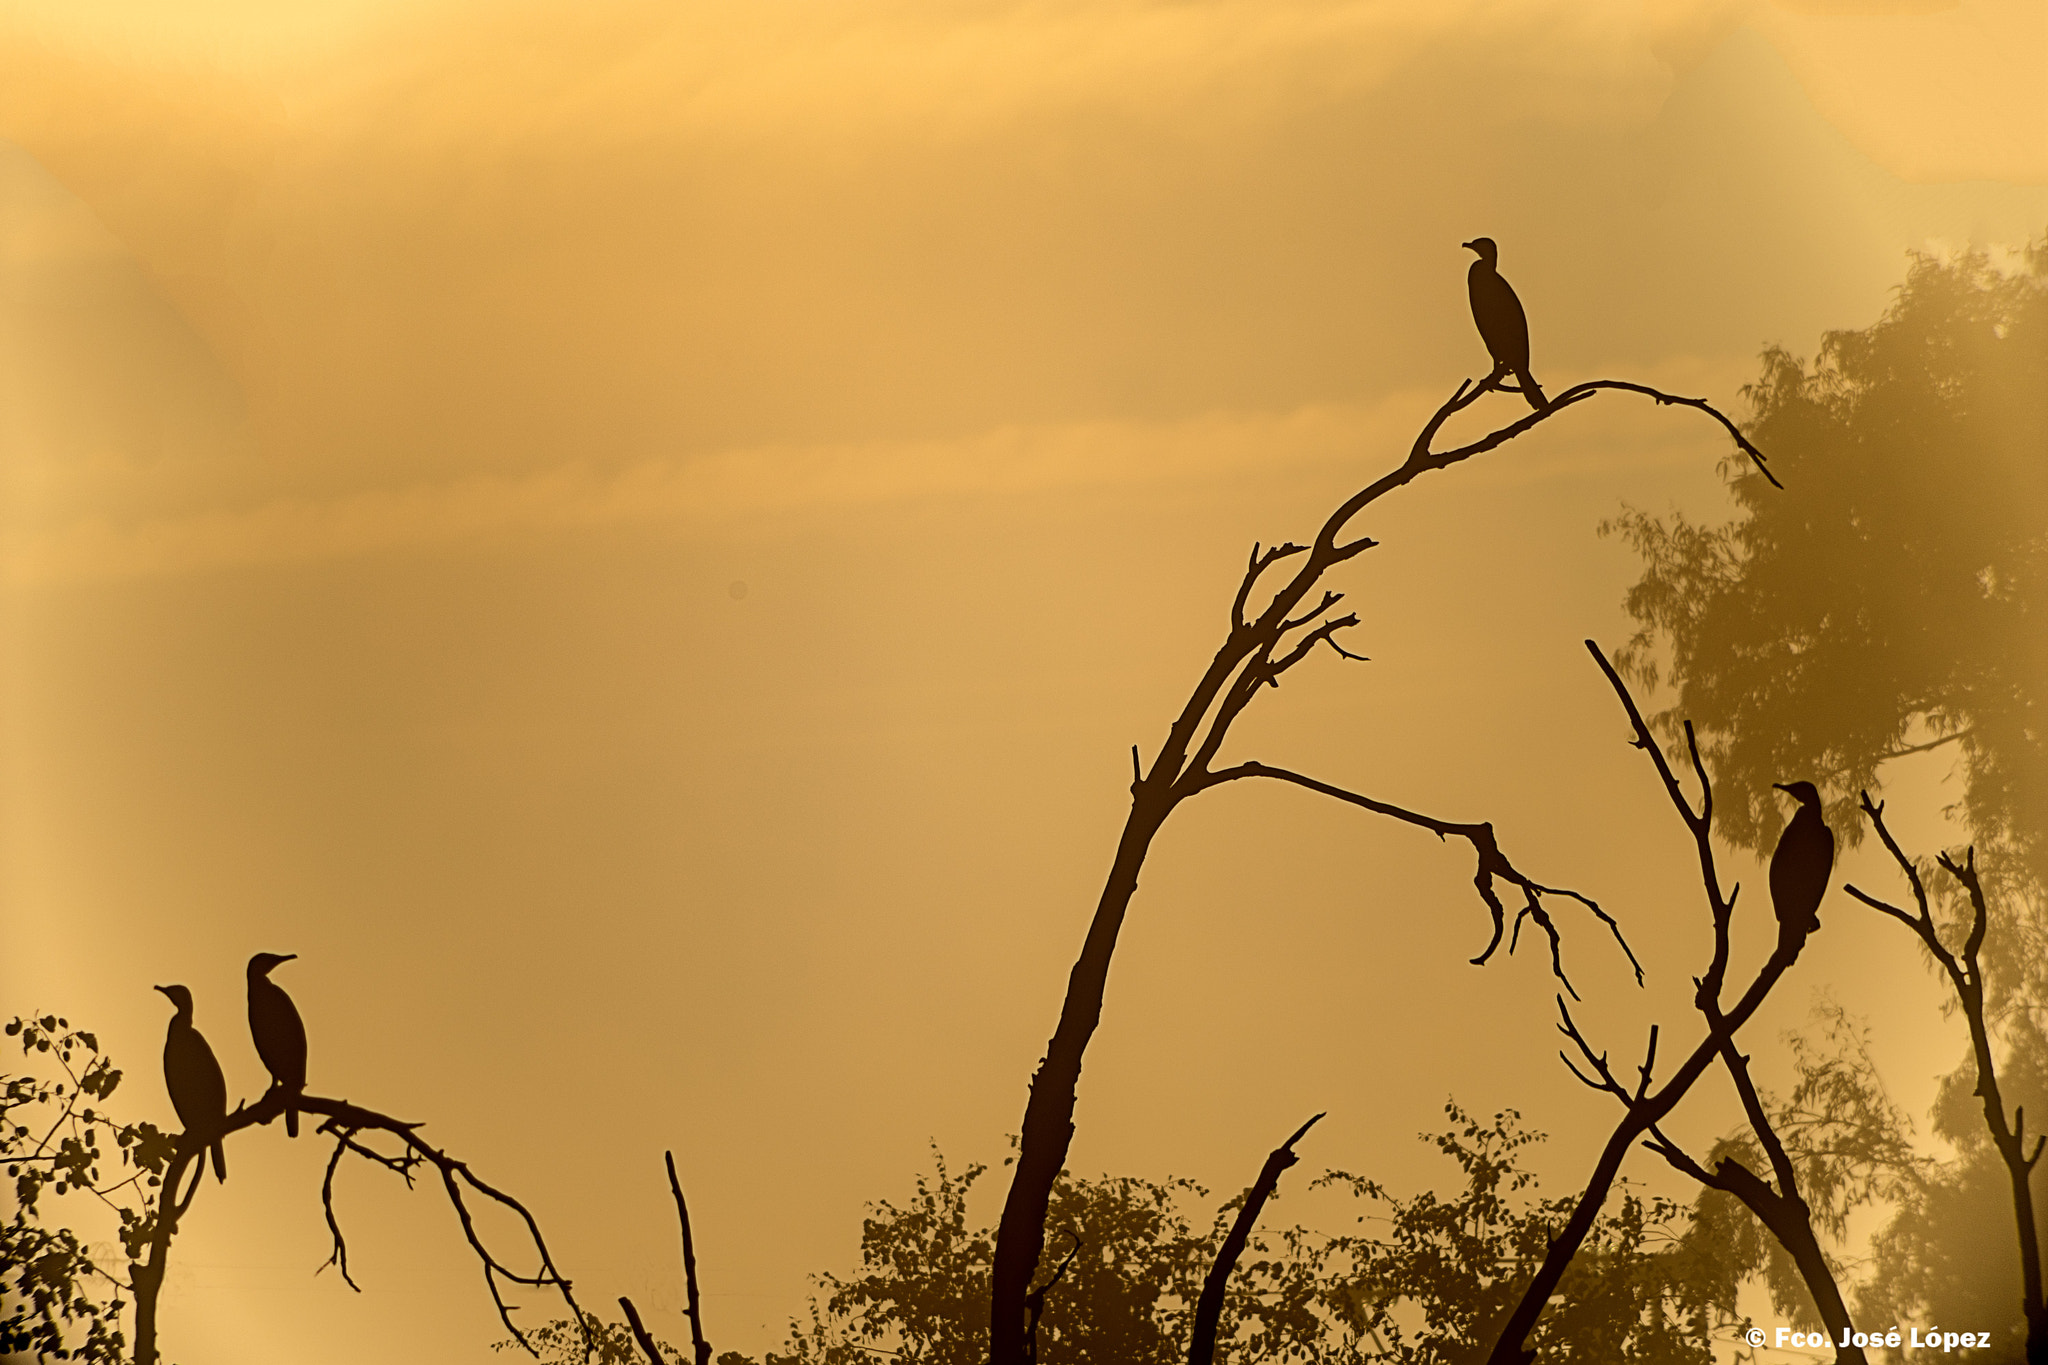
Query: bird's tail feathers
{"points": [[220, 1164], [1531, 390], [291, 1119]]}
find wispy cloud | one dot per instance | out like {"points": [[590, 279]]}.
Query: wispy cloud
{"points": [[494, 509], [716, 487]]}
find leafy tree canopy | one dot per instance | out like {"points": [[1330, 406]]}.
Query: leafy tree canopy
{"points": [[1894, 596], [1426, 1281]]}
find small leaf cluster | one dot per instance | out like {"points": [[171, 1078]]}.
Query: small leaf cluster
{"points": [[1434, 1286], [57, 1140], [606, 1343]]}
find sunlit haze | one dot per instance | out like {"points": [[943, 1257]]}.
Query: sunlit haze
{"points": [[636, 539]]}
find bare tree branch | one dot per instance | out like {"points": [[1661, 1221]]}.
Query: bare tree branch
{"points": [[1492, 863], [1258, 565], [1034, 1302], [694, 1308], [1967, 978], [1209, 1308], [1782, 1211], [1643, 1107], [640, 1333], [338, 1258], [1699, 822], [1249, 658], [344, 1120]]}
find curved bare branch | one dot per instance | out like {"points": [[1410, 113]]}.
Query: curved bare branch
{"points": [[345, 1121]]}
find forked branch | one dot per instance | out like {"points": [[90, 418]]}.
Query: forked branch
{"points": [[1782, 1210], [1644, 1104], [1492, 865], [346, 1122], [1967, 978], [1252, 656]]}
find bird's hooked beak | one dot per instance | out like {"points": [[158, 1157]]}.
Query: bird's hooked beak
{"points": [[165, 989], [1472, 245], [1785, 789]]}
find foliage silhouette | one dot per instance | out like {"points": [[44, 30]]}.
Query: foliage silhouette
{"points": [[597, 1342], [59, 1288], [1899, 608], [1650, 1282], [1900, 602], [1423, 1282]]}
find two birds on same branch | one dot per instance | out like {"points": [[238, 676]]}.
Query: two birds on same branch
{"points": [[199, 1090]]}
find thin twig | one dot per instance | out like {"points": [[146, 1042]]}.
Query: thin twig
{"points": [[338, 1258]]}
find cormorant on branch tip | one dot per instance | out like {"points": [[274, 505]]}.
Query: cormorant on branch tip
{"points": [[1503, 326], [279, 1033]]}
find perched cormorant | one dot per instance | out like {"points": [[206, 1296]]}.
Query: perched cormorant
{"points": [[1503, 326], [280, 1036], [198, 1091], [1800, 865]]}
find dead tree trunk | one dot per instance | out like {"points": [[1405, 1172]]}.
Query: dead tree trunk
{"points": [[1255, 653], [1967, 978]]}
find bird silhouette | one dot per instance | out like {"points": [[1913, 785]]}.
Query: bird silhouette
{"points": [[280, 1035], [1800, 866], [1503, 326], [198, 1090]]}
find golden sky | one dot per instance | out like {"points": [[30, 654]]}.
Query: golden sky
{"points": [[636, 539]]}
